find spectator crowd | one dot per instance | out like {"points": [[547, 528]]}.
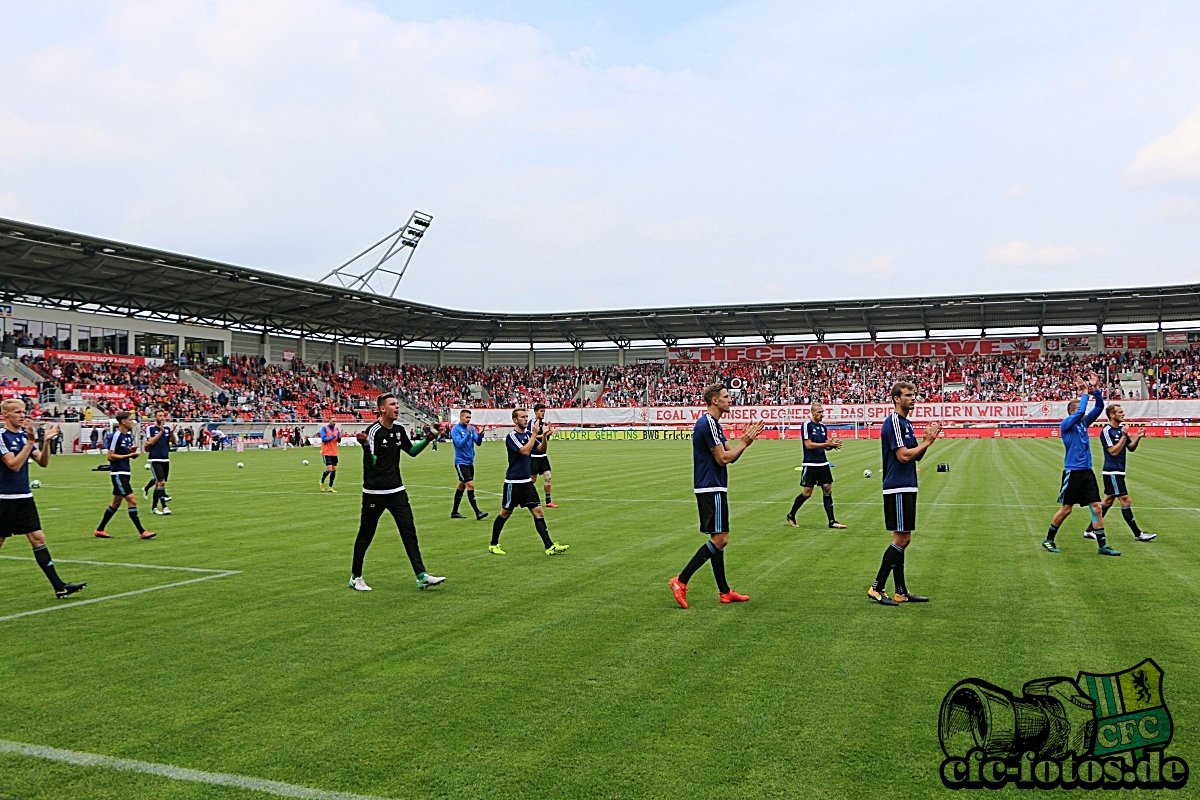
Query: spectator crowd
{"points": [[247, 388]]}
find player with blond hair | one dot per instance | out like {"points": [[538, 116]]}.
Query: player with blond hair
{"points": [[18, 512]]}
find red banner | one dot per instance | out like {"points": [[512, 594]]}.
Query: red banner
{"points": [[95, 358], [17, 392], [941, 348]]}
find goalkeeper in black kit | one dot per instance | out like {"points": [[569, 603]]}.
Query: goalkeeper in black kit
{"points": [[383, 490]]}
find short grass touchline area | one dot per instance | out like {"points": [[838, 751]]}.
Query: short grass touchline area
{"points": [[176, 773], [211, 574], [577, 676]]}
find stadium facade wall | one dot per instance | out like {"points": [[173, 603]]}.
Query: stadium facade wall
{"points": [[132, 326], [245, 344]]}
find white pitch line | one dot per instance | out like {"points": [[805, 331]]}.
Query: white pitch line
{"points": [[116, 564], [213, 574], [177, 773]]}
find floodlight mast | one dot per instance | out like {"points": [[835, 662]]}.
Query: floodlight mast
{"points": [[366, 273]]}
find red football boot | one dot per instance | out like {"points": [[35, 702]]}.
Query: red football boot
{"points": [[733, 597], [680, 591], [103, 535]]}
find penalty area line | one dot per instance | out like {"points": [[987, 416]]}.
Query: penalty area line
{"points": [[213, 574], [276, 788]]}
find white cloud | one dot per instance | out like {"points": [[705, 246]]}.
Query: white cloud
{"points": [[1169, 159], [756, 147], [1019, 253]]}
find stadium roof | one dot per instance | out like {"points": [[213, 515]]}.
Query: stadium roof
{"points": [[52, 268]]}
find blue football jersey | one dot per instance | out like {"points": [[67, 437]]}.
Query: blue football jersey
{"points": [[707, 474], [14, 485], [898, 476], [1113, 465], [160, 450], [122, 445], [518, 463], [816, 433]]}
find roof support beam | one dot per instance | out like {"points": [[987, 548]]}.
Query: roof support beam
{"points": [[870, 325]]}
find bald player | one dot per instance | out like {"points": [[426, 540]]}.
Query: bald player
{"points": [[815, 470]]}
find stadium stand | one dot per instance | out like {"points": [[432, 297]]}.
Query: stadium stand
{"points": [[250, 389]]}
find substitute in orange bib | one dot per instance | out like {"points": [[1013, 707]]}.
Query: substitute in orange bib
{"points": [[331, 435]]}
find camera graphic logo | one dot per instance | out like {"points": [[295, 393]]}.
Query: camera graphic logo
{"points": [[1096, 731]]}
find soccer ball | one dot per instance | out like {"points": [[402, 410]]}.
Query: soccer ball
{"points": [[36, 484], [240, 465], [866, 473], [147, 465], [304, 463]]}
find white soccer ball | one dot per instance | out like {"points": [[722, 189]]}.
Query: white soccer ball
{"points": [[147, 465], [866, 473], [36, 484], [304, 463], [240, 465]]}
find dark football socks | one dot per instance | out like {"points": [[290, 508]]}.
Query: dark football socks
{"points": [[136, 520], [458, 493], [718, 565], [148, 485], [1100, 540], [1050, 534], [898, 572], [332, 477], [703, 554], [471, 500], [108, 514], [799, 501], [42, 556], [1127, 513], [325, 475], [497, 526], [548, 500], [828, 501], [543, 531], [890, 557]]}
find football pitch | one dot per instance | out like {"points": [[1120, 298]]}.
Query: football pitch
{"points": [[574, 676]]}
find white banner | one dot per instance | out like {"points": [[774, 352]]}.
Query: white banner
{"points": [[837, 414]]}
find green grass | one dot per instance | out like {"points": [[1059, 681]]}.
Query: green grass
{"points": [[576, 676]]}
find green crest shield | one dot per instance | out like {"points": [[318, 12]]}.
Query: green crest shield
{"points": [[1130, 711]]}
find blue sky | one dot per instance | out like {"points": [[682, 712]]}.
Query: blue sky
{"points": [[622, 154]]}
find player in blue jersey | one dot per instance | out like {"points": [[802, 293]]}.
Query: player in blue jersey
{"points": [[159, 438], [711, 457], [1078, 480], [901, 452], [519, 490], [122, 450], [18, 512], [465, 437], [815, 469], [1116, 442], [539, 460]]}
